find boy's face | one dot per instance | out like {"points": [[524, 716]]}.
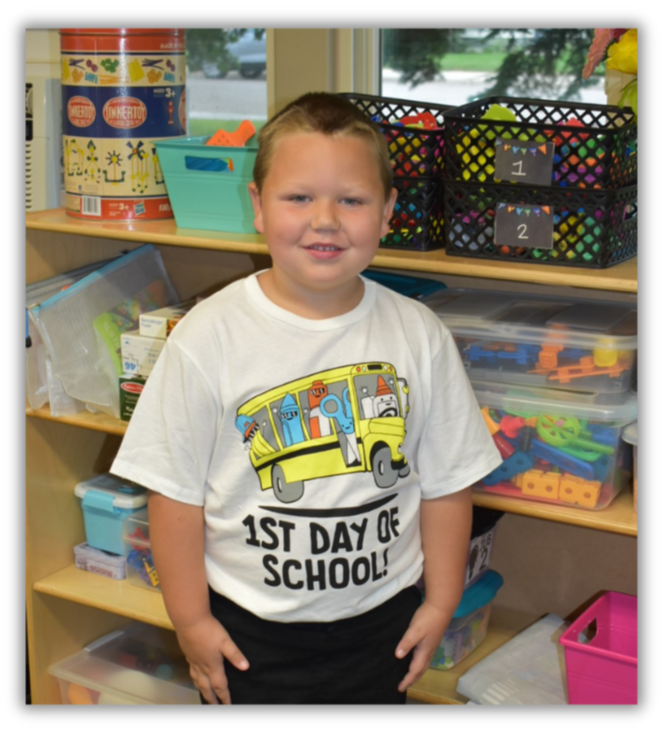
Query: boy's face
{"points": [[323, 212]]}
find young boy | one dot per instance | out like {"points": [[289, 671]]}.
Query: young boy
{"points": [[309, 439]]}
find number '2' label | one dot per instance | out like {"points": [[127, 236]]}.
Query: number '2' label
{"points": [[522, 225]]}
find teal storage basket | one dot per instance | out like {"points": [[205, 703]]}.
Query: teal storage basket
{"points": [[207, 184]]}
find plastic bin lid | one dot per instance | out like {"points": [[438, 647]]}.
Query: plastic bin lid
{"points": [[531, 401], [127, 495], [479, 594], [535, 319], [630, 434]]}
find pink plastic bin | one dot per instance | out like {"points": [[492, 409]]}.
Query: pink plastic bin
{"points": [[603, 669]]}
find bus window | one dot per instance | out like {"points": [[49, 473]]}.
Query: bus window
{"points": [[310, 400], [287, 416], [262, 419], [377, 395]]}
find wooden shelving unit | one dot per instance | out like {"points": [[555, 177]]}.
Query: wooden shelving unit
{"points": [[67, 608], [622, 278]]}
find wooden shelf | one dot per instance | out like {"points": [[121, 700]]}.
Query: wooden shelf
{"points": [[619, 517], [116, 596], [439, 687], [124, 599], [622, 278], [89, 420]]}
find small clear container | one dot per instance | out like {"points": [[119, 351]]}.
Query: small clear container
{"points": [[630, 436], [138, 665], [468, 626], [541, 341], [562, 448], [140, 568]]}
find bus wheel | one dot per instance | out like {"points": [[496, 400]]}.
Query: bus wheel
{"points": [[385, 474], [286, 492]]}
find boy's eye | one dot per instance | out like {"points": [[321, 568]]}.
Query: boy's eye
{"points": [[299, 198], [351, 201]]}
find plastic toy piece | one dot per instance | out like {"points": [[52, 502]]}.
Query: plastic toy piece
{"points": [[585, 368], [511, 426], [544, 485], [567, 431], [517, 463], [425, 120], [574, 490], [505, 449], [491, 424], [151, 573], [139, 536], [236, 139], [561, 459]]}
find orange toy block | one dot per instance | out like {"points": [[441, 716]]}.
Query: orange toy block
{"points": [[575, 490], [547, 357], [236, 139], [540, 484]]}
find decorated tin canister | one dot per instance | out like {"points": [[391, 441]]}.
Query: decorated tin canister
{"points": [[123, 89]]}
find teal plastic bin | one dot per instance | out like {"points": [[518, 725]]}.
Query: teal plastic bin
{"points": [[106, 502], [207, 184]]}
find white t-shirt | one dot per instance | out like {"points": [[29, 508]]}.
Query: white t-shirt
{"points": [[309, 443]]}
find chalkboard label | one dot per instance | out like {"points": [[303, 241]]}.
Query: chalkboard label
{"points": [[521, 225], [524, 161]]}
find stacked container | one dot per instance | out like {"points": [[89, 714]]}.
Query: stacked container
{"points": [[415, 135], [541, 181], [553, 379]]}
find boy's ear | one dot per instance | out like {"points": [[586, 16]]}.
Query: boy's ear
{"points": [[256, 203], [388, 212]]}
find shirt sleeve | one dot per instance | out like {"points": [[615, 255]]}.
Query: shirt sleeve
{"points": [[456, 448], [170, 438]]}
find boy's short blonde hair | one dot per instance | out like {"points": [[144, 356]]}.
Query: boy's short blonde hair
{"points": [[328, 114]]}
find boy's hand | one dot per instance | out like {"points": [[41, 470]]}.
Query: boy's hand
{"points": [[205, 644], [425, 631]]}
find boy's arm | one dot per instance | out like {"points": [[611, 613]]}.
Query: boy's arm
{"points": [[446, 530], [178, 549]]}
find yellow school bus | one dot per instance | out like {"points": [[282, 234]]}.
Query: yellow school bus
{"points": [[344, 420]]}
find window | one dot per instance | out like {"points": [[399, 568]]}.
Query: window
{"points": [[226, 78], [455, 66]]}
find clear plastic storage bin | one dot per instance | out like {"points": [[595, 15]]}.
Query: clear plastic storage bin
{"points": [[468, 627], [140, 568], [559, 447], [138, 665], [538, 341]]}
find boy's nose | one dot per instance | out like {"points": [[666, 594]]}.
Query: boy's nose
{"points": [[325, 215]]}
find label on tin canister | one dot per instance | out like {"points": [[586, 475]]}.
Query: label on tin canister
{"points": [[122, 90]]}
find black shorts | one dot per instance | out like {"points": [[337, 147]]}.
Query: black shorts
{"points": [[346, 662]]}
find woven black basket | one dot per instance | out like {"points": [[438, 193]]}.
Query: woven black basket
{"points": [[413, 151], [418, 222], [595, 145], [594, 229]]}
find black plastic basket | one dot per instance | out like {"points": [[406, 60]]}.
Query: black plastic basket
{"points": [[595, 146], [418, 221], [594, 229], [414, 152]]}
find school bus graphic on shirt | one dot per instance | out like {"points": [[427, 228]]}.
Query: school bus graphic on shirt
{"points": [[344, 420]]}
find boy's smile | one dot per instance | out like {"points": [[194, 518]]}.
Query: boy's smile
{"points": [[323, 211]]}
